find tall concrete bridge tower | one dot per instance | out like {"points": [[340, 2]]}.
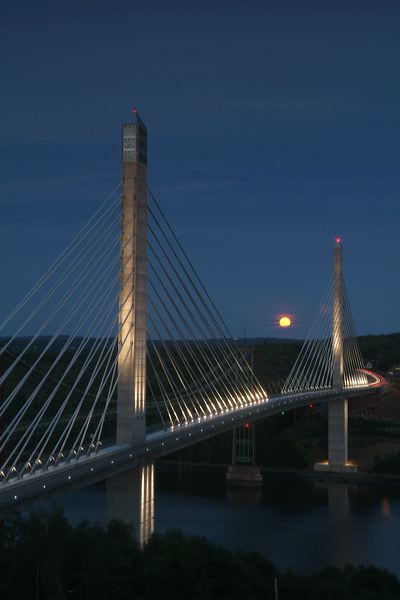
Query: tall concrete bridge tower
{"points": [[130, 495], [131, 407], [337, 409]]}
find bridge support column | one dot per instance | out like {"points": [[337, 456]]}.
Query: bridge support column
{"points": [[243, 472], [130, 494], [130, 499], [337, 409], [131, 403]]}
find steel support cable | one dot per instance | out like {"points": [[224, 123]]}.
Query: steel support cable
{"points": [[176, 390], [58, 331], [184, 340], [357, 346], [292, 379], [31, 428], [323, 329], [101, 301], [39, 373], [190, 295], [104, 378], [10, 429], [295, 376], [17, 418], [187, 275], [356, 362], [203, 334], [72, 267], [177, 309], [156, 404], [100, 362], [107, 402], [315, 360], [327, 374], [211, 314], [128, 315], [38, 457], [317, 356], [184, 304], [200, 329], [72, 290], [54, 422], [351, 369], [174, 365], [59, 453], [166, 373], [349, 357], [309, 348], [180, 315], [61, 258], [88, 419], [53, 313], [189, 263], [164, 394], [321, 354], [99, 429]]}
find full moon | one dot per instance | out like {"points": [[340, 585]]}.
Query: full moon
{"points": [[285, 322]]}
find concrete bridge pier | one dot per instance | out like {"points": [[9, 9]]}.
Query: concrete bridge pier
{"points": [[337, 409], [243, 472], [130, 499]]}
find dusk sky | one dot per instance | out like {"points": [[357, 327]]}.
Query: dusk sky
{"points": [[273, 127]]}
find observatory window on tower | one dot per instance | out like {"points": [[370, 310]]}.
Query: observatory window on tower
{"points": [[129, 144]]}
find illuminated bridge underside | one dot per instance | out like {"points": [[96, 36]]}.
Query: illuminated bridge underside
{"points": [[115, 459]]}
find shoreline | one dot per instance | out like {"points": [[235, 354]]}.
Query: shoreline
{"points": [[363, 478]]}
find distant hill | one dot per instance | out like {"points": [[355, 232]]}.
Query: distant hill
{"points": [[383, 351], [272, 355]]}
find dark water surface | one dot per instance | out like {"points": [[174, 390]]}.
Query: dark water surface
{"points": [[293, 522]]}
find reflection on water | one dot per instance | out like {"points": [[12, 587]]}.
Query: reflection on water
{"points": [[293, 522], [130, 498], [386, 507]]}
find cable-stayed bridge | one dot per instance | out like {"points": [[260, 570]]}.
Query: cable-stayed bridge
{"points": [[118, 355]]}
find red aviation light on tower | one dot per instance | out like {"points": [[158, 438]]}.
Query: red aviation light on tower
{"points": [[338, 240], [134, 110]]}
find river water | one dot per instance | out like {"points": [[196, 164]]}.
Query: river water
{"points": [[293, 521]]}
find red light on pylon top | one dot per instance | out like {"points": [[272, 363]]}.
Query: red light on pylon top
{"points": [[247, 425], [134, 110], [338, 240]]}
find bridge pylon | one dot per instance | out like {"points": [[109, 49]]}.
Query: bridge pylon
{"points": [[131, 395], [337, 409], [130, 494]]}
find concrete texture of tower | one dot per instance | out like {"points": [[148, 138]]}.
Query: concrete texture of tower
{"points": [[131, 423]]}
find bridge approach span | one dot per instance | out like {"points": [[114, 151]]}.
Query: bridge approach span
{"points": [[86, 470]]}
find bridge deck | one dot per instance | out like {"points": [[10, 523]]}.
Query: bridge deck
{"points": [[86, 470]]}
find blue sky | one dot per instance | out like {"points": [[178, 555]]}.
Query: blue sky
{"points": [[273, 127]]}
